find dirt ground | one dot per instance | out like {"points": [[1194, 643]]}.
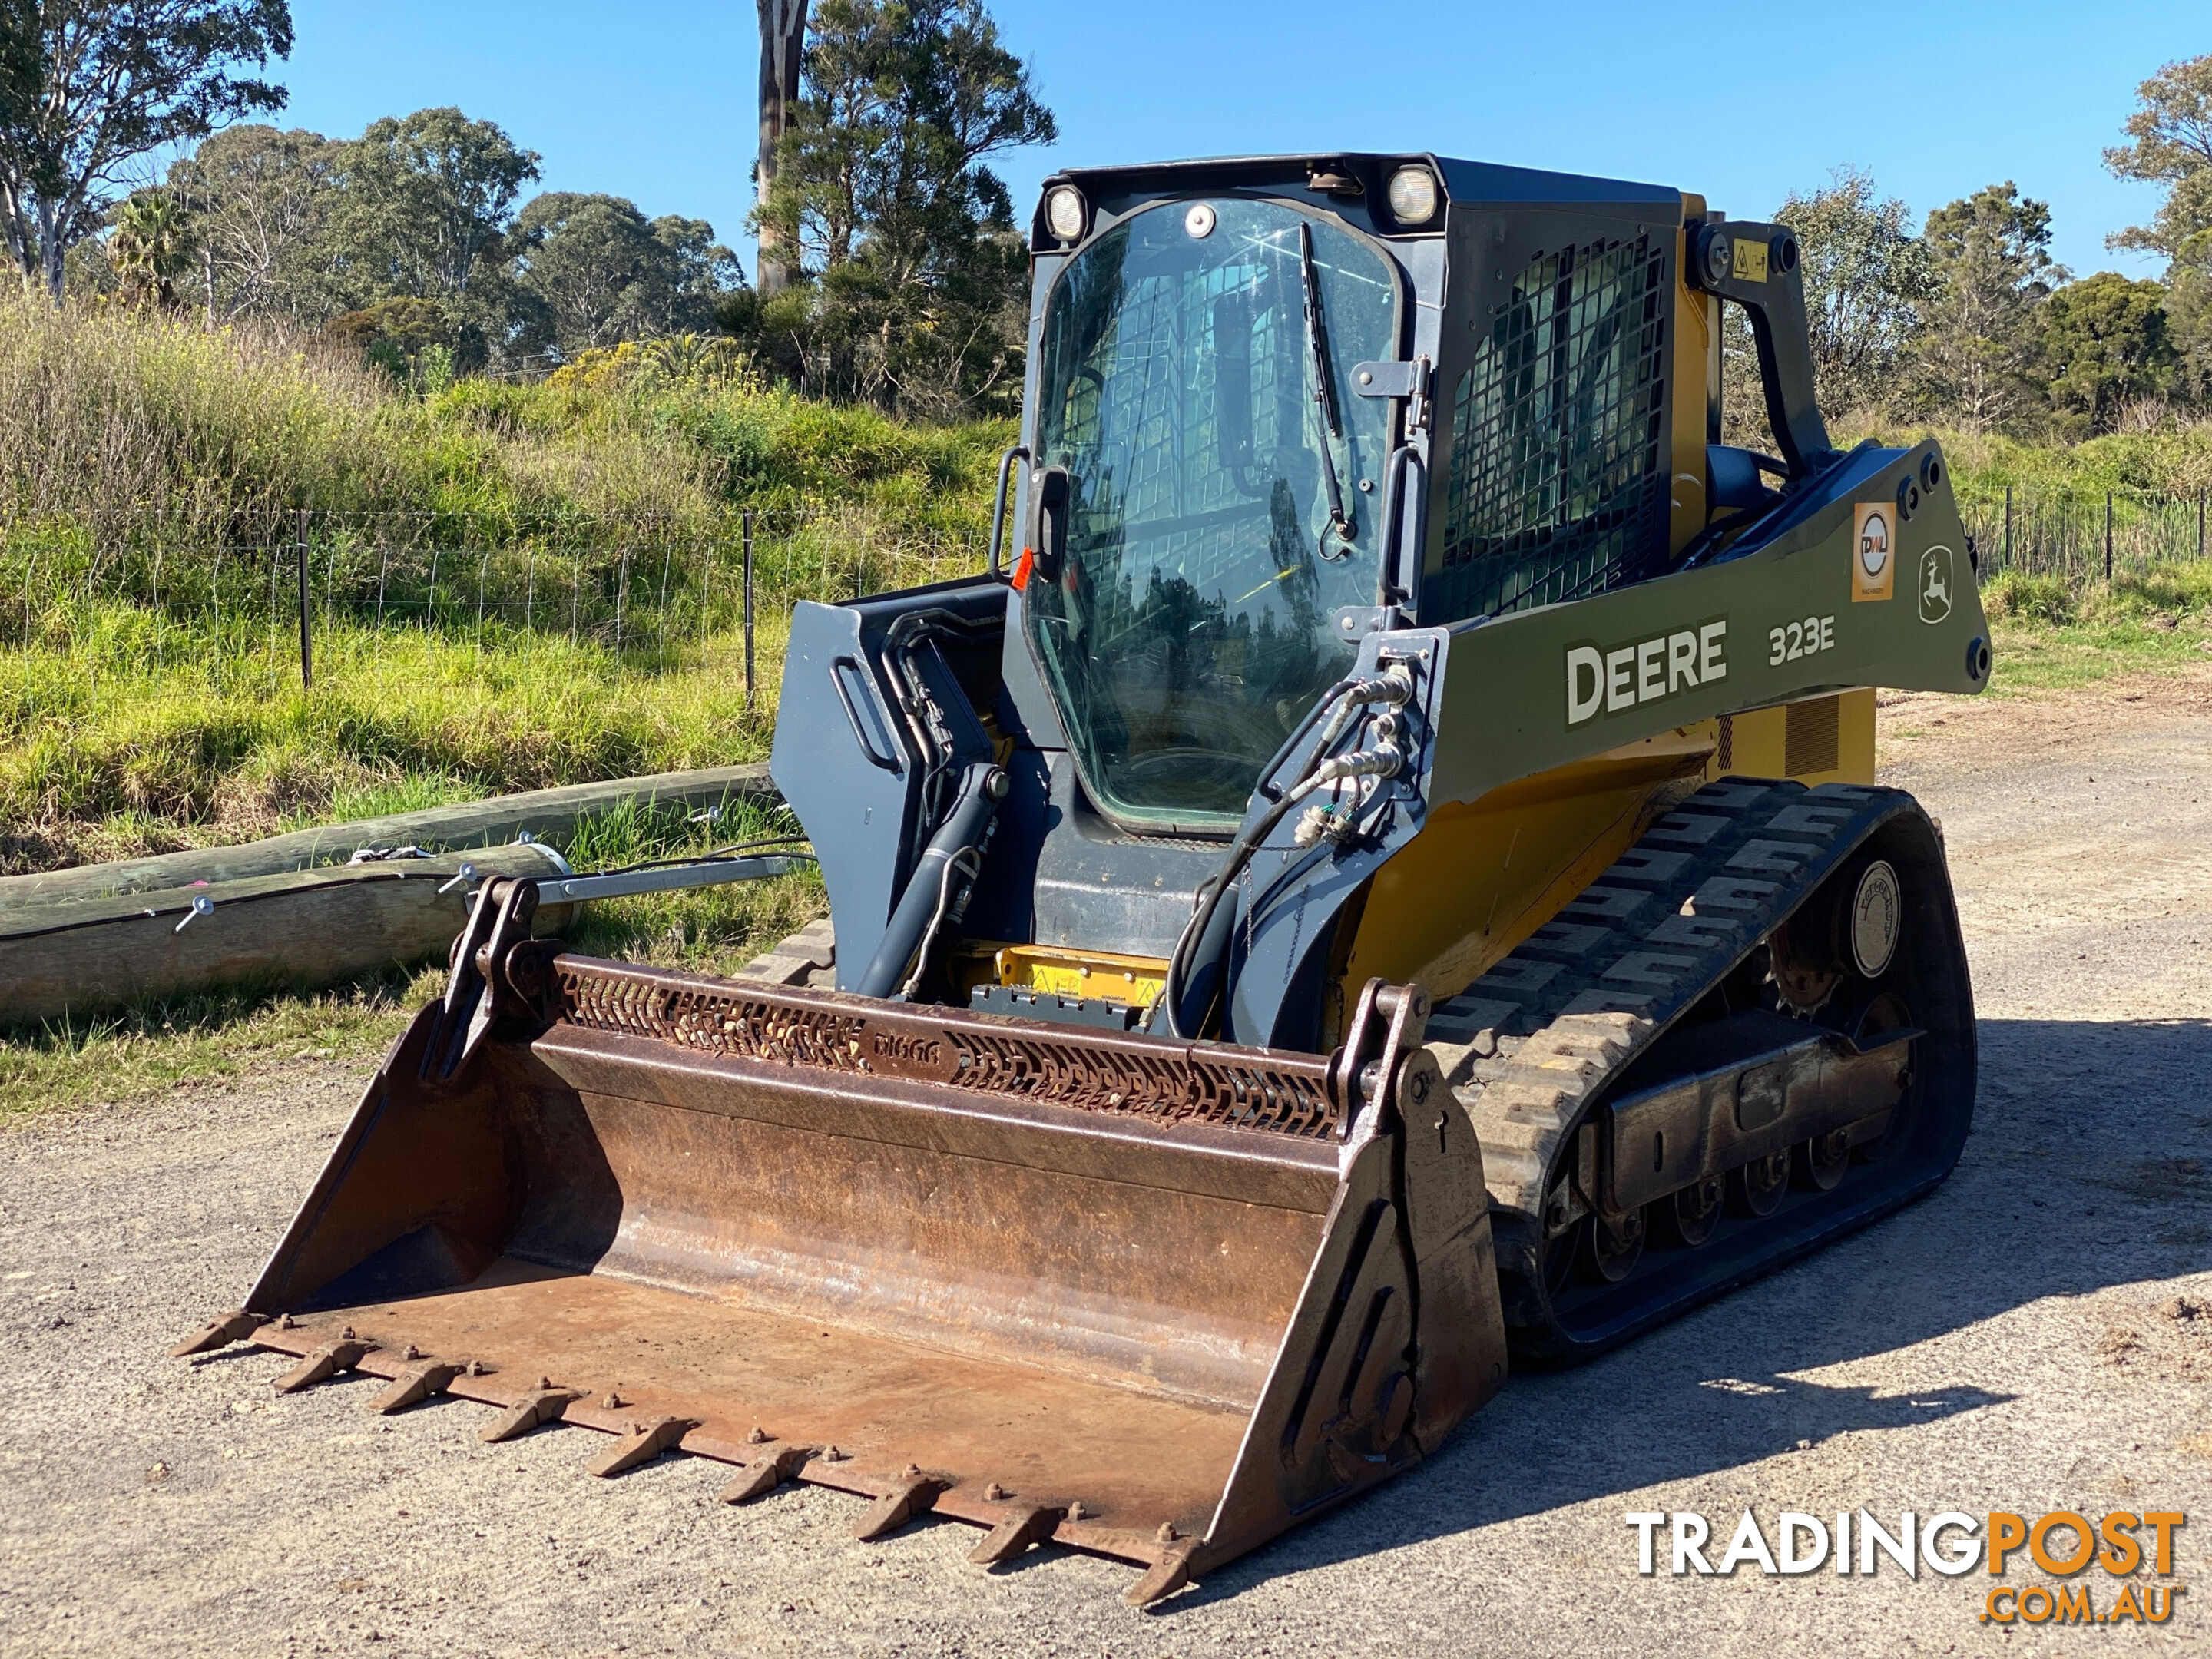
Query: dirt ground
{"points": [[2037, 1335]]}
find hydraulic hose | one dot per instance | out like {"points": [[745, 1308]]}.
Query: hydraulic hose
{"points": [[1204, 941], [929, 890]]}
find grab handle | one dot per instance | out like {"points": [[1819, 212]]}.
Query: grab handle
{"points": [[997, 566], [1401, 564], [851, 681]]}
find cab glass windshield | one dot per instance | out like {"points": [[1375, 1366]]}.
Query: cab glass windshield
{"points": [[1200, 405]]}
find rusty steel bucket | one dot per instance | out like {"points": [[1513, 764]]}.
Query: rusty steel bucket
{"points": [[1156, 1300]]}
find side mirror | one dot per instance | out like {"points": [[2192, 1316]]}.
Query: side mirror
{"points": [[1047, 545], [1232, 379]]}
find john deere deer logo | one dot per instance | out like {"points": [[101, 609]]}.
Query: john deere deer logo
{"points": [[1935, 584]]}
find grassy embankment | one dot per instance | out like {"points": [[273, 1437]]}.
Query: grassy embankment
{"points": [[2048, 638], [2050, 635], [131, 451]]}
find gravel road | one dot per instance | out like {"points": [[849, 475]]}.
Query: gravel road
{"points": [[2028, 1339]]}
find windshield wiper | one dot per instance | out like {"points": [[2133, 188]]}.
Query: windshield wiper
{"points": [[1332, 419]]}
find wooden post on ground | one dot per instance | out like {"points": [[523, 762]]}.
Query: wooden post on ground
{"points": [[543, 813], [303, 928]]}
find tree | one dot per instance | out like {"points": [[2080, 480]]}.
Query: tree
{"points": [[1866, 282], [601, 272], [259, 202], [694, 274], [912, 266], [421, 212], [86, 87], [1990, 261], [148, 249], [2172, 145], [2172, 131], [783, 43], [396, 334], [2106, 347]]}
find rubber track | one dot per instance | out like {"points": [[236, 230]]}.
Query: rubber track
{"points": [[1529, 1044]]}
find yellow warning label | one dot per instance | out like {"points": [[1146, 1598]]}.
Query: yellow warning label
{"points": [[1873, 550], [1750, 265]]}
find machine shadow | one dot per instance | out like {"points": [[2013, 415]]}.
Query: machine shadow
{"points": [[2090, 1164]]}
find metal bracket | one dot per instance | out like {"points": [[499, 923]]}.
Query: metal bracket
{"points": [[1410, 379], [1357, 622], [501, 916], [1389, 1023]]}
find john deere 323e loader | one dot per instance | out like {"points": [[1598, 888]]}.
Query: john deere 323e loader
{"points": [[1379, 881]]}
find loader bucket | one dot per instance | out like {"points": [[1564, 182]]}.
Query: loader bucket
{"points": [[1151, 1300]]}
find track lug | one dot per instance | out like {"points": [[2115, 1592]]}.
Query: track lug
{"points": [[912, 1495], [537, 1407], [231, 1327], [326, 1362], [416, 1386], [1015, 1534], [645, 1442]]}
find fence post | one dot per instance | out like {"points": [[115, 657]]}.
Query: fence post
{"points": [[306, 613], [2108, 537], [2008, 534], [749, 609], [2200, 524]]}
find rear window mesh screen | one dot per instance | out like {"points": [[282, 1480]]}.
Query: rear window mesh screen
{"points": [[1558, 487]]}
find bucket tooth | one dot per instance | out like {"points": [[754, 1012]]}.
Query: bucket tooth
{"points": [[539, 1406], [1017, 1533], [1162, 1579], [909, 1495], [324, 1363], [231, 1327], [645, 1442], [763, 1475], [412, 1387]]}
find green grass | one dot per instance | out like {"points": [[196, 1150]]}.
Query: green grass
{"points": [[108, 751], [133, 429], [2174, 459], [2049, 638], [203, 1039]]}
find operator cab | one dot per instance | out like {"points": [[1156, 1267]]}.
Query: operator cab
{"points": [[1229, 430]]}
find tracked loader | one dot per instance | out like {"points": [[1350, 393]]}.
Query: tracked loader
{"points": [[1379, 882]]}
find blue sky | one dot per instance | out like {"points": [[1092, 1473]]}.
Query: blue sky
{"points": [[652, 98]]}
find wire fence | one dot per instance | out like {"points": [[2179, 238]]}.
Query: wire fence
{"points": [[2082, 537], [641, 595]]}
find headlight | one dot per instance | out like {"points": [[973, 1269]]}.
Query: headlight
{"points": [[1066, 214], [1413, 196]]}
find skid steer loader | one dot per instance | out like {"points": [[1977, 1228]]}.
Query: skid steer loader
{"points": [[1380, 880]]}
